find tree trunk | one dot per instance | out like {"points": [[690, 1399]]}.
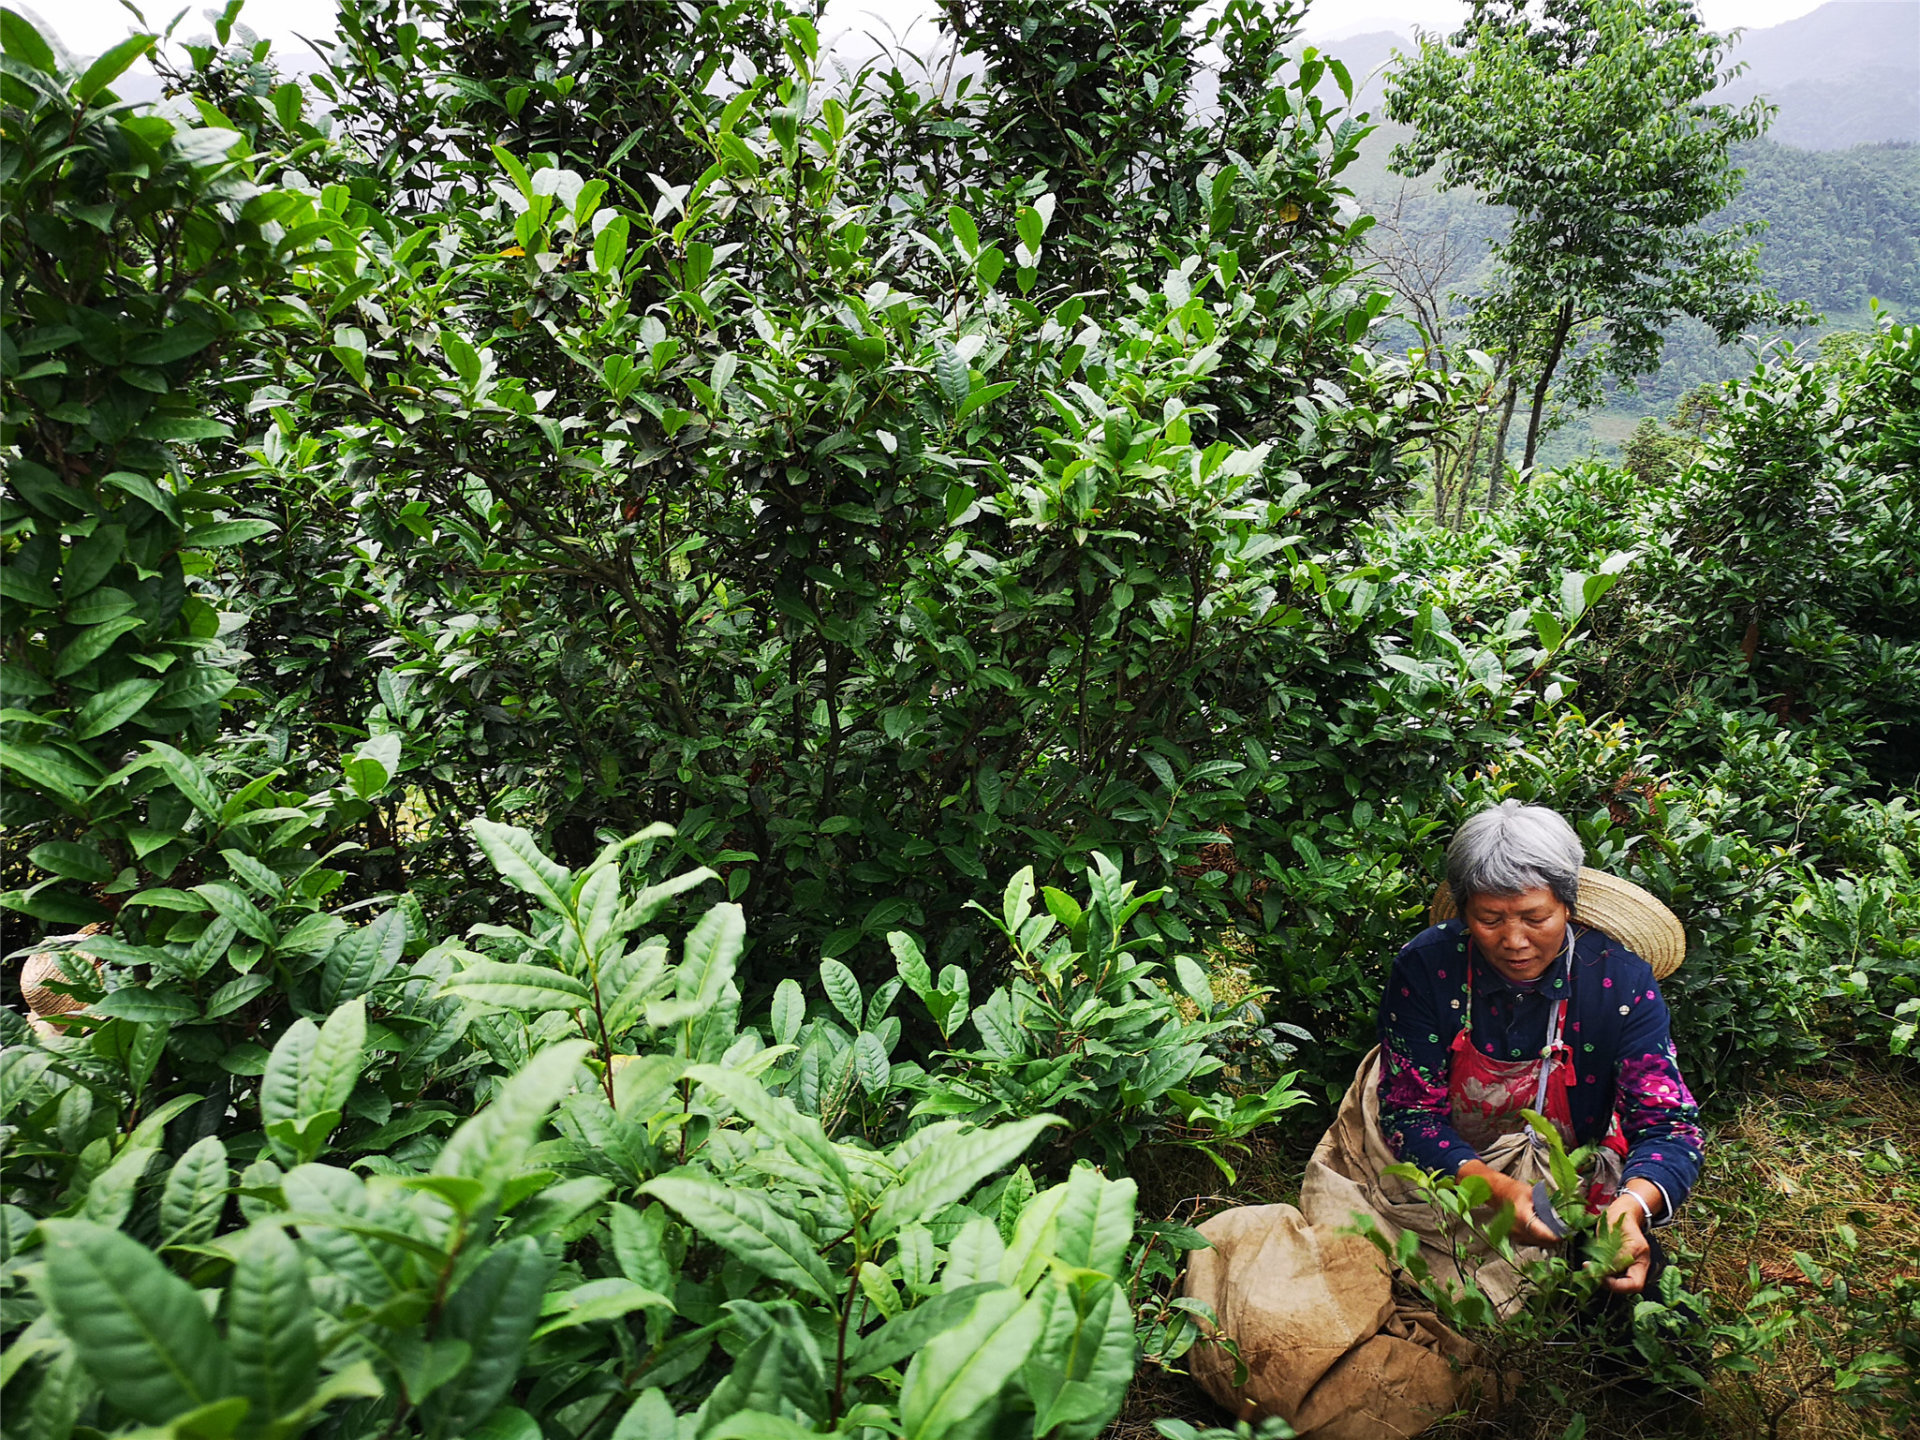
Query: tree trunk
{"points": [[1463, 467], [1497, 467], [1560, 328]]}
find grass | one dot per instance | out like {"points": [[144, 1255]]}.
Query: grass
{"points": [[1794, 1167], [1813, 1156]]}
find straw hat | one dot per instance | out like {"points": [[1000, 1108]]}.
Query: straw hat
{"points": [[44, 965], [1617, 907]]}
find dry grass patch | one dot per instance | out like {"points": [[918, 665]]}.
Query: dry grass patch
{"points": [[1817, 1154]]}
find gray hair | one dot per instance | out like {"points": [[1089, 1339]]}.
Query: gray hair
{"points": [[1510, 848]]}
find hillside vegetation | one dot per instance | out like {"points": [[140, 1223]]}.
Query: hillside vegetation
{"points": [[693, 747], [1842, 233]]}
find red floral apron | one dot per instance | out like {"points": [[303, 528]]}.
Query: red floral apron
{"points": [[1487, 1095]]}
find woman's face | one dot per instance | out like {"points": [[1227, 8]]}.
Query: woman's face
{"points": [[1518, 934]]}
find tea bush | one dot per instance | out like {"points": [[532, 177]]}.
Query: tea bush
{"points": [[647, 1215], [1565, 1345]]}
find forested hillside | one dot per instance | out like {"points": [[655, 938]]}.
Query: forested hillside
{"points": [[695, 747], [1843, 231], [1840, 224]]}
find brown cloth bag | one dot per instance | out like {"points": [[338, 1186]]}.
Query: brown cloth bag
{"points": [[1312, 1312], [1310, 1303]]}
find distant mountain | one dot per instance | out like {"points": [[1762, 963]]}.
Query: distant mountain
{"points": [[1837, 181], [1847, 74]]}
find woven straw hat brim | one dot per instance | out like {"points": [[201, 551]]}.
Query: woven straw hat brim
{"points": [[44, 965], [1618, 907]]}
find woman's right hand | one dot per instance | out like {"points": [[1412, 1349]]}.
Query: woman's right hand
{"points": [[1528, 1228]]}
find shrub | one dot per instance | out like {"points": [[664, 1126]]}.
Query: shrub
{"points": [[635, 1221]]}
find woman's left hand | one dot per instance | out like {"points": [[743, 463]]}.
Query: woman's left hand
{"points": [[1626, 1219]]}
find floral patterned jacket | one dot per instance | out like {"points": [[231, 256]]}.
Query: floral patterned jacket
{"points": [[1617, 1026]]}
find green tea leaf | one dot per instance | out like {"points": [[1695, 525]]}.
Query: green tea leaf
{"points": [[522, 864], [111, 66], [745, 1225], [943, 1173], [963, 1369], [492, 1146], [843, 990], [139, 1330], [219, 534], [73, 861], [110, 1195], [495, 1311], [1094, 1225], [870, 1063], [908, 1334], [711, 952], [801, 1135], [529, 989], [334, 1069], [230, 903], [789, 1011], [291, 1059], [22, 39], [270, 1323], [911, 963], [639, 1244], [964, 230], [950, 372], [595, 1301], [159, 1007], [195, 1194], [112, 708]]}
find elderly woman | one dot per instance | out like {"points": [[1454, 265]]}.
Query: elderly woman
{"points": [[1535, 996], [1515, 1004]]}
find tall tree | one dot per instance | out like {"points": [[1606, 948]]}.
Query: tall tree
{"points": [[1589, 119]]}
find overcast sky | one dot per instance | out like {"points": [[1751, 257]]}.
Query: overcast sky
{"points": [[89, 26]]}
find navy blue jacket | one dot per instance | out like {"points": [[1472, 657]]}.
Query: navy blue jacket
{"points": [[1617, 1026]]}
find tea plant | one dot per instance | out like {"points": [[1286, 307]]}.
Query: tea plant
{"points": [[633, 1223], [1084, 1029], [1564, 1345]]}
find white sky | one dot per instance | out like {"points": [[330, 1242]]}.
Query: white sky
{"points": [[88, 27]]}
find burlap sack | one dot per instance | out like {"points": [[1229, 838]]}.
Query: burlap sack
{"points": [[1312, 1312], [1310, 1304]]}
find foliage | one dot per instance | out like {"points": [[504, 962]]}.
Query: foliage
{"points": [[135, 252], [1084, 1031], [1836, 236], [466, 1286], [1564, 1343], [610, 505], [1565, 1353], [422, 474], [1792, 546], [1652, 452], [1273, 1428], [1865, 1338]]}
